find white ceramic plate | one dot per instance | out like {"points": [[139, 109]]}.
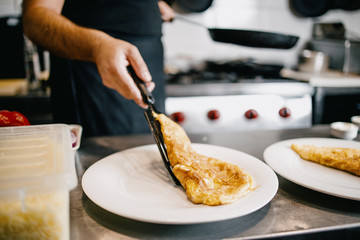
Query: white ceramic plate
{"points": [[283, 160], [134, 184]]}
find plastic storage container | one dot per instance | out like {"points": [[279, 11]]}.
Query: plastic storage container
{"points": [[37, 171]]}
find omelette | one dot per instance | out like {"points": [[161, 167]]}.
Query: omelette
{"points": [[206, 180], [346, 159]]}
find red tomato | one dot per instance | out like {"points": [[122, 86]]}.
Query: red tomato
{"points": [[13, 118]]}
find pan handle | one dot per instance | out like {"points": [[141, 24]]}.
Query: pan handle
{"points": [[189, 21]]}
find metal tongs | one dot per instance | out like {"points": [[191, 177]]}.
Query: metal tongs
{"points": [[153, 123]]}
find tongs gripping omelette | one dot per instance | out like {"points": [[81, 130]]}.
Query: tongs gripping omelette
{"points": [[206, 180], [153, 123]]}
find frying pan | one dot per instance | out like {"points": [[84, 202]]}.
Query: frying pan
{"points": [[194, 6], [249, 38]]}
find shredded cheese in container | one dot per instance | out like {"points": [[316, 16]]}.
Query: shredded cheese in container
{"points": [[37, 171], [38, 216]]}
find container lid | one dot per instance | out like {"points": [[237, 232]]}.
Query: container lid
{"points": [[36, 158]]}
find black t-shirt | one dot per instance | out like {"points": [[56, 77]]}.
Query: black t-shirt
{"points": [[124, 17]]}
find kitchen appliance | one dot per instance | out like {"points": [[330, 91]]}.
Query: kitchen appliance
{"points": [[344, 54], [337, 102], [336, 94], [237, 96], [341, 45], [313, 62]]}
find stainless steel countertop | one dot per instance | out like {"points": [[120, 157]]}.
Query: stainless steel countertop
{"points": [[294, 213]]}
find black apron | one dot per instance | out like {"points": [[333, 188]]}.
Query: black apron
{"points": [[77, 92]]}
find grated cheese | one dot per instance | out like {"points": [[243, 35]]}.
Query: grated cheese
{"points": [[36, 217]]}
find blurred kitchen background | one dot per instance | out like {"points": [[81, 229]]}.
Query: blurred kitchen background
{"points": [[183, 39], [217, 86]]}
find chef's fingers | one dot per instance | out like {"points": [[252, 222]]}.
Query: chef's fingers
{"points": [[141, 70], [137, 97], [167, 13], [130, 89], [150, 86], [138, 64]]}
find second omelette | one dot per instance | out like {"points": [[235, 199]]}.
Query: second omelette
{"points": [[206, 180]]}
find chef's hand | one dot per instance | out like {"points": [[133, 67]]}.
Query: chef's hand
{"points": [[119, 55], [112, 59], [167, 13]]}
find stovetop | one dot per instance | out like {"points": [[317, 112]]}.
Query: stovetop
{"points": [[233, 78], [244, 70]]}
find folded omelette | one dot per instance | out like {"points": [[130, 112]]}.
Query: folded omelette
{"points": [[206, 180], [346, 159]]}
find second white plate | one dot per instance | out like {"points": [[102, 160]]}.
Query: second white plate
{"points": [[134, 184], [287, 163]]}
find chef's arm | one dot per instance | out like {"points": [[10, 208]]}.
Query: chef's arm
{"points": [[46, 27]]}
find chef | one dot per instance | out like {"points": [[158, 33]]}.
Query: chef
{"points": [[92, 43]]}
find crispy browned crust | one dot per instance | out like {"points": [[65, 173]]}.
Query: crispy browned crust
{"points": [[206, 180], [346, 159]]}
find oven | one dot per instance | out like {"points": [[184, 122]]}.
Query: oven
{"points": [[237, 96], [338, 103]]}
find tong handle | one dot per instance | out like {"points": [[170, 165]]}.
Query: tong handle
{"points": [[145, 93]]}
